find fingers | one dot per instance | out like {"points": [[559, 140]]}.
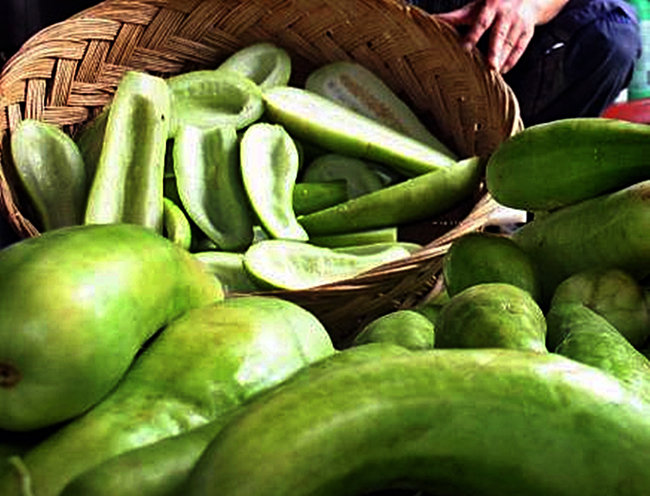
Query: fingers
{"points": [[518, 47], [484, 18], [510, 34], [508, 42], [501, 40], [510, 26]]}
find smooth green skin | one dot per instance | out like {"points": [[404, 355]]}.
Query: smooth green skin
{"points": [[311, 117], [476, 421], [590, 339], [203, 364], [176, 226], [157, 469], [285, 264], [269, 168], [356, 87], [415, 199], [371, 236], [481, 257], [566, 161], [51, 168], [359, 176], [228, 267], [406, 328], [611, 293], [128, 182], [90, 140], [209, 98], [66, 342], [492, 315], [209, 184], [313, 196], [609, 231], [161, 468], [264, 63]]}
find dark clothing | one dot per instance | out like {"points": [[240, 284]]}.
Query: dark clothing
{"points": [[576, 64], [7, 235], [23, 18], [440, 6]]}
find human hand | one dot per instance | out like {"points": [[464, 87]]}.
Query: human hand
{"points": [[511, 24]]}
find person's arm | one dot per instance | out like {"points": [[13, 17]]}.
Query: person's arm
{"points": [[511, 24]]}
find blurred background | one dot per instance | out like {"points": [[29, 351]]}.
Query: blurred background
{"points": [[22, 18]]}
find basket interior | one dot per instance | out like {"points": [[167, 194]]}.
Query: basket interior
{"points": [[68, 72]]}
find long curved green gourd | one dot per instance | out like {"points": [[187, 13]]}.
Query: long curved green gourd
{"points": [[480, 422], [200, 367], [563, 162], [575, 238], [77, 304], [157, 469], [587, 337], [161, 468], [128, 182], [414, 199]]}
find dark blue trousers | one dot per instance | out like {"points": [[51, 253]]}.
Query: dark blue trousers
{"points": [[576, 64]]}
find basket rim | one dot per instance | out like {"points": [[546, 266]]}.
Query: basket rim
{"points": [[91, 19]]}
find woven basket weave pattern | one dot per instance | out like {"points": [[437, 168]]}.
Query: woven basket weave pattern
{"points": [[68, 72]]}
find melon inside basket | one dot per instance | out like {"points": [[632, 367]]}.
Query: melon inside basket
{"points": [[68, 73]]}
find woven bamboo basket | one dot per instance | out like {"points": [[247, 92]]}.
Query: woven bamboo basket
{"points": [[68, 72]]}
